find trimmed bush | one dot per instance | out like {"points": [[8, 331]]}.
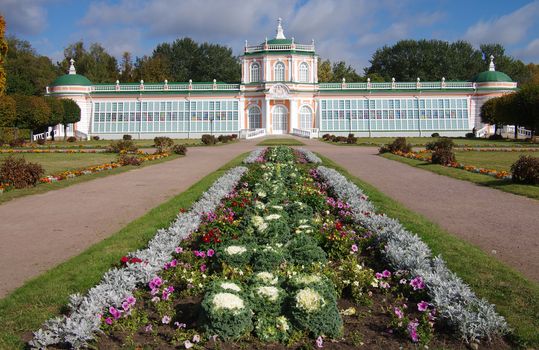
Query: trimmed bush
{"points": [[526, 170], [435, 134], [179, 149], [442, 143], [443, 156], [127, 137], [399, 144], [224, 138], [352, 140], [95, 138], [495, 137], [122, 146], [71, 139], [125, 159], [234, 136], [163, 144], [17, 142], [208, 139], [470, 135], [41, 142], [20, 174]]}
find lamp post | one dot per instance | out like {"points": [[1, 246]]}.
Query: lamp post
{"points": [[211, 124]]}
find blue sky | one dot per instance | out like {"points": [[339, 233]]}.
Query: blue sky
{"points": [[349, 30]]}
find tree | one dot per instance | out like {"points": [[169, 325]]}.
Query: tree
{"points": [[3, 53], [28, 73], [516, 69], [527, 100], [32, 112], [488, 112], [217, 62], [8, 111], [127, 73], [154, 68], [325, 74], [57, 112], [341, 70], [95, 64], [533, 76], [71, 113]]}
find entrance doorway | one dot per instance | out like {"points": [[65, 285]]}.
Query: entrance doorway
{"points": [[280, 120]]}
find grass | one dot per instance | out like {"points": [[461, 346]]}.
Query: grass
{"points": [[44, 297], [491, 160], [281, 142], [460, 142], [515, 297], [45, 187], [529, 191], [144, 143], [54, 163]]}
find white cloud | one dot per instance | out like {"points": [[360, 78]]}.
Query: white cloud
{"points": [[24, 16], [530, 53], [508, 29]]}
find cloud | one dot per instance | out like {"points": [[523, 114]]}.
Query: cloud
{"points": [[508, 29], [530, 53], [24, 16]]}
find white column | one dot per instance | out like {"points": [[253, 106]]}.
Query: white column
{"points": [[294, 123], [241, 113], [267, 76], [314, 68], [267, 113], [292, 71]]}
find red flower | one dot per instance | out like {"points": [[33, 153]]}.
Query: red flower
{"points": [[124, 259]]}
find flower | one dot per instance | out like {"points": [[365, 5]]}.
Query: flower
{"points": [[203, 267], [227, 301], [282, 324], [412, 330], [320, 342], [272, 217], [148, 328], [210, 252], [230, 286], [115, 312], [180, 325], [423, 306], [178, 250], [108, 321], [309, 300], [196, 338], [156, 282], [271, 293], [386, 274], [417, 283], [188, 344], [166, 319], [354, 248], [267, 277], [235, 249], [398, 312]]}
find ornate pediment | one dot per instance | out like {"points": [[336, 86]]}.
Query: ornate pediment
{"points": [[279, 91]]}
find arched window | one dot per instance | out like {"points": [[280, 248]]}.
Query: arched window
{"points": [[280, 120], [255, 118], [255, 72], [305, 118], [304, 72], [279, 71]]}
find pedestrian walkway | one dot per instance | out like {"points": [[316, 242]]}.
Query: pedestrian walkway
{"points": [[40, 231]]}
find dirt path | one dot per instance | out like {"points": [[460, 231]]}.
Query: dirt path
{"points": [[40, 231], [500, 223]]}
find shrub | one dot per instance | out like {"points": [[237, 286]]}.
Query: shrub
{"points": [[526, 170], [341, 139], [326, 137], [495, 137], [223, 138], [125, 159], [127, 137], [226, 314], [163, 144], [470, 135], [2, 142], [71, 139], [20, 174], [435, 134], [179, 149], [443, 156], [17, 142], [122, 146], [41, 141], [442, 143], [208, 139], [399, 144], [351, 139], [234, 136], [95, 138]]}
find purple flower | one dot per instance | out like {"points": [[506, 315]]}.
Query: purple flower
{"points": [[386, 274], [210, 252], [125, 306], [320, 342], [412, 330], [398, 312], [378, 276], [423, 306], [131, 300], [178, 250], [354, 248], [166, 319], [417, 283], [180, 325], [115, 312], [148, 328], [156, 282], [187, 344], [203, 267], [108, 321]]}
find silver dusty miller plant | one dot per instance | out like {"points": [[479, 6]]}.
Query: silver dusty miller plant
{"points": [[471, 317], [254, 156], [310, 156], [117, 284]]}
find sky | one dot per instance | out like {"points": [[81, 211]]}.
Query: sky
{"points": [[349, 30]]}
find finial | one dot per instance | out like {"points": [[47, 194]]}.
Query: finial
{"points": [[141, 82], [166, 82], [491, 66], [279, 31], [443, 78], [117, 82], [245, 43], [393, 79], [72, 67], [292, 40], [418, 80], [343, 80], [214, 81]]}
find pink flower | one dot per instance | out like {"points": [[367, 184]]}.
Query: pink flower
{"points": [[423, 306], [178, 250], [125, 305], [398, 312], [417, 283], [412, 330], [354, 248], [378, 276], [156, 282], [156, 299], [187, 344], [202, 254], [115, 312], [384, 285], [148, 328], [108, 321], [180, 325], [196, 338], [131, 300], [386, 274], [203, 267], [210, 252], [320, 342], [166, 319]]}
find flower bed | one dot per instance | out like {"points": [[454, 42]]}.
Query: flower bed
{"points": [[426, 157], [283, 252], [47, 150]]}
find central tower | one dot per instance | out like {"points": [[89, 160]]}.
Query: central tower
{"points": [[279, 80]]}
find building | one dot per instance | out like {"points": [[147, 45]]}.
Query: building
{"points": [[279, 93]]}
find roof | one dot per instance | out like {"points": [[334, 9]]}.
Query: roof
{"points": [[71, 79], [492, 76], [280, 41]]}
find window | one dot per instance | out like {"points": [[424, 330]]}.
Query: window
{"points": [[255, 72], [305, 118], [304, 72], [279, 71], [255, 118]]}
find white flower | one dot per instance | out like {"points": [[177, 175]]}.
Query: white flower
{"points": [[308, 279], [267, 277], [271, 293], [261, 194], [235, 249], [227, 301], [230, 286], [259, 205], [309, 300], [278, 207], [282, 324], [272, 217]]}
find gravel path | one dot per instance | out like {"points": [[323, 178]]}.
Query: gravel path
{"points": [[40, 231], [500, 223]]}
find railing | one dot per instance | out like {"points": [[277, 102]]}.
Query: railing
{"points": [[279, 47], [308, 133], [164, 87], [521, 131], [398, 85], [44, 135], [252, 133], [484, 131]]}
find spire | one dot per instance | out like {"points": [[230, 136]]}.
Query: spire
{"points": [[72, 67], [279, 32], [491, 66]]}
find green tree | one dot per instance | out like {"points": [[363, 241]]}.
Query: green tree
{"points": [[28, 73], [341, 70], [325, 74], [3, 53], [516, 69], [127, 74], [8, 111], [154, 68], [527, 100], [95, 63], [57, 111], [32, 112], [217, 62], [71, 113]]}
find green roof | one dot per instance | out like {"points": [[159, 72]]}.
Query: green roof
{"points": [[491, 76], [72, 79], [280, 41]]}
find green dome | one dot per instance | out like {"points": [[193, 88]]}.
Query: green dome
{"points": [[71, 79], [491, 76], [280, 41]]}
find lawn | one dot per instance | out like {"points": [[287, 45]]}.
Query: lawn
{"points": [[491, 160], [460, 142], [44, 297], [515, 296], [54, 163], [530, 191], [104, 143], [281, 142]]}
